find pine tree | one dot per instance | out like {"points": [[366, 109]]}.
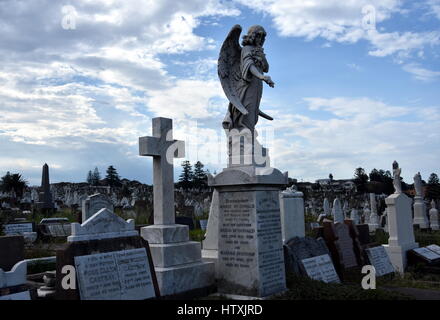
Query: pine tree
{"points": [[187, 175], [433, 179], [96, 177], [90, 177], [200, 178], [112, 177]]}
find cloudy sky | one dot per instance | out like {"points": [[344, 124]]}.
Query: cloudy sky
{"points": [[357, 84]]}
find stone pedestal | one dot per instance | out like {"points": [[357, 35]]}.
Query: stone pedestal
{"points": [[250, 248], [420, 216], [292, 214], [401, 230], [177, 261]]}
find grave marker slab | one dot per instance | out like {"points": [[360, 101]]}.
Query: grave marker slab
{"points": [[11, 251], [321, 268], [11, 229], [117, 275], [93, 204], [378, 257], [434, 247]]}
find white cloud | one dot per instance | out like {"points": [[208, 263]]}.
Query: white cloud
{"points": [[421, 73], [357, 132], [345, 22], [435, 7]]}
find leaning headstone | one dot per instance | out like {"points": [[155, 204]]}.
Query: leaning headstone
{"points": [[297, 249], [110, 259], [423, 255], [178, 261], [399, 224], [94, 203], [321, 268], [379, 259], [13, 283], [292, 214], [433, 217], [420, 217]]}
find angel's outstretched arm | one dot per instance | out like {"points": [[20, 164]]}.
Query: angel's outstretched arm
{"points": [[253, 69]]}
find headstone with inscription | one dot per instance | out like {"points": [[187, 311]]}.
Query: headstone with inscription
{"points": [[111, 261], [378, 258], [298, 249], [18, 228], [321, 268], [423, 255], [94, 203], [292, 214]]}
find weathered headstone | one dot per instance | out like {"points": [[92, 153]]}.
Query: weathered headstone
{"points": [[337, 212], [399, 224], [94, 203], [321, 268], [378, 257], [420, 217], [297, 249], [111, 260], [18, 228], [292, 214], [178, 261], [433, 217], [424, 255], [210, 243], [373, 221]]}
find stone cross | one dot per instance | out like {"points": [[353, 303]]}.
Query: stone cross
{"points": [[163, 149]]}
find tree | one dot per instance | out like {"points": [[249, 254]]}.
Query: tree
{"points": [[199, 177], [360, 179], [96, 176], [13, 182], [90, 177], [187, 175], [112, 177], [433, 179]]}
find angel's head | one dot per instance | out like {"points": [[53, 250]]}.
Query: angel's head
{"points": [[255, 36]]}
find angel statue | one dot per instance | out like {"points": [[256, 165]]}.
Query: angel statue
{"points": [[396, 178], [241, 72]]}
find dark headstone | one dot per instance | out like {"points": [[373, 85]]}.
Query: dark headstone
{"points": [[298, 249], [186, 221], [71, 250], [358, 248], [11, 251], [363, 232], [45, 196]]}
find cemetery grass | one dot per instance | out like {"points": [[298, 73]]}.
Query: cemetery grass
{"points": [[303, 288]]}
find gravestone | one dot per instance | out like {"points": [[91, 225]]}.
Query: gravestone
{"points": [[321, 268], [373, 221], [357, 246], [378, 258], [355, 217], [337, 212], [178, 261], [433, 217], [210, 243], [400, 224], [92, 204], [111, 260], [11, 251], [187, 221], [297, 249], [292, 214], [45, 197], [340, 244], [363, 232], [423, 255], [434, 247], [420, 216], [13, 283], [18, 228]]}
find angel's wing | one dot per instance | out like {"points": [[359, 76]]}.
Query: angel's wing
{"points": [[229, 67]]}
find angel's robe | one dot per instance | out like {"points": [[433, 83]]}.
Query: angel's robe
{"points": [[250, 89]]}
